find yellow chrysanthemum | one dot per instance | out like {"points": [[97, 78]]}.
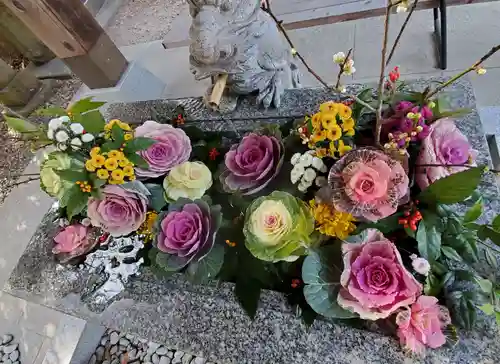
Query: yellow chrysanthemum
{"points": [[111, 164], [109, 125], [89, 166], [332, 222], [344, 111], [95, 151], [117, 175], [348, 124], [102, 174], [128, 171], [132, 178], [124, 162], [147, 226], [316, 121], [318, 136], [124, 126], [350, 132], [116, 154], [97, 161], [328, 120], [334, 133], [321, 152], [128, 136], [343, 149], [330, 107], [114, 182]]}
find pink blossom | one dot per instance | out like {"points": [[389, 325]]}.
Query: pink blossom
{"points": [[368, 183], [72, 242], [172, 147], [421, 325], [374, 281], [444, 145], [403, 107]]}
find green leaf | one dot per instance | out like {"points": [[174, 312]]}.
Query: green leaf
{"points": [[137, 144], [429, 241], [454, 188], [321, 272], [111, 145], [117, 134], [473, 213], [485, 285], [451, 253], [463, 308], [490, 258], [247, 291], [495, 224], [138, 161], [157, 271], [206, 269], [54, 111], [170, 263], [497, 318], [487, 308], [69, 195], [385, 226], [486, 232], [433, 285], [71, 175], [84, 105], [20, 125], [157, 198], [76, 204], [93, 122]]}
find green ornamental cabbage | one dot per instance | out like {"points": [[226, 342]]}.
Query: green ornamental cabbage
{"points": [[278, 227], [50, 181]]}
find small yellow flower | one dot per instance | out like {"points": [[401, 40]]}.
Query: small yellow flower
{"points": [[480, 70], [132, 178], [350, 132], [89, 166], [332, 149], [124, 126], [116, 154], [348, 124], [330, 221], [109, 125], [114, 182], [316, 121], [343, 149], [111, 164], [328, 120], [102, 174], [334, 133], [124, 162], [344, 111], [95, 151], [128, 171], [98, 161], [117, 175], [128, 136], [330, 107], [321, 152], [318, 136]]}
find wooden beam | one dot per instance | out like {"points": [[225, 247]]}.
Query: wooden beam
{"points": [[70, 31]]}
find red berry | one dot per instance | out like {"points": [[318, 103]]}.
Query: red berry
{"points": [[407, 213]]}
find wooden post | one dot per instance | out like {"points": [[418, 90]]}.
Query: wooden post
{"points": [[72, 33]]}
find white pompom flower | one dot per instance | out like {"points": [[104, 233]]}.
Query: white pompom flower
{"points": [[62, 136], [320, 181], [55, 123], [309, 175], [306, 160], [302, 187], [76, 128], [76, 143], [50, 134], [295, 158], [339, 57], [420, 265], [87, 137], [318, 163], [295, 176], [298, 168], [64, 119]]}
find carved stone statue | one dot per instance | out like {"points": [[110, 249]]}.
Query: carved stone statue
{"points": [[238, 38]]}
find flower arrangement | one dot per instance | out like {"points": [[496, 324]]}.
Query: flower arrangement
{"points": [[349, 211]]}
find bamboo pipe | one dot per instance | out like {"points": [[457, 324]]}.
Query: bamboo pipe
{"points": [[217, 91]]}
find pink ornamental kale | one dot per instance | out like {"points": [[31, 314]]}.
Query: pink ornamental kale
{"points": [[186, 232], [374, 281], [368, 184], [73, 241], [252, 164], [446, 148]]}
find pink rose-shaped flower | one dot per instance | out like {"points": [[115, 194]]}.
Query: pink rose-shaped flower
{"points": [[421, 325], [172, 147], [252, 164], [120, 212], [444, 145], [72, 242], [374, 281], [368, 183]]}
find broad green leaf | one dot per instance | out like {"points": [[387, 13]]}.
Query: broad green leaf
{"points": [[71, 175], [117, 134], [495, 224], [157, 271], [85, 104], [497, 318], [170, 263], [138, 161], [247, 291], [93, 122], [157, 196], [76, 204], [385, 226], [454, 188], [451, 253], [448, 279], [485, 285], [69, 195], [20, 125], [321, 275], [429, 241], [433, 285], [53, 111], [474, 212], [206, 269], [486, 232], [137, 144], [487, 308], [463, 308], [111, 145], [490, 258]]}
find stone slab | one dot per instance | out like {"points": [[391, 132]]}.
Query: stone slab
{"points": [[207, 320]]}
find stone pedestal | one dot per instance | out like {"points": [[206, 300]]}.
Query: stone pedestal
{"points": [[207, 320]]}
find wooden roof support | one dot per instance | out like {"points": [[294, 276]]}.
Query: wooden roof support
{"points": [[72, 33]]}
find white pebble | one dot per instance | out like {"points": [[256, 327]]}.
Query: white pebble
{"points": [[165, 360], [114, 338], [162, 350]]}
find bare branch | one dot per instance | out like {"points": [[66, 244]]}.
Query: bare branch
{"points": [[23, 182], [341, 71], [398, 38]]}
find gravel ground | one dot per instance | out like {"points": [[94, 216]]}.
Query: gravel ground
{"points": [[140, 21], [15, 155]]}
